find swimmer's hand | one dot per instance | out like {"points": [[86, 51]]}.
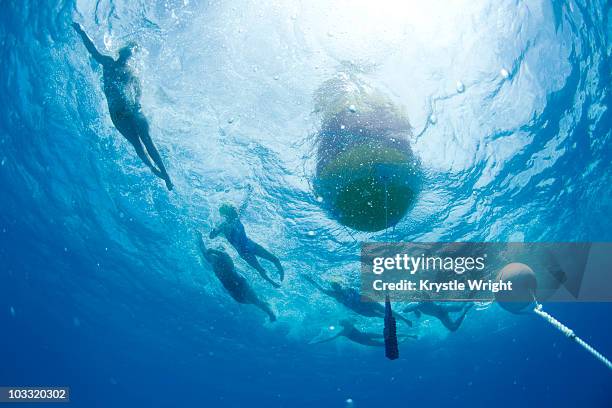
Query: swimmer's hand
{"points": [[213, 234], [307, 278], [202, 246]]}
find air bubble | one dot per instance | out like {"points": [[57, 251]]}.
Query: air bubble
{"points": [[460, 87], [276, 77]]}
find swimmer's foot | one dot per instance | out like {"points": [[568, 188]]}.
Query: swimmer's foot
{"points": [[169, 184], [281, 272]]}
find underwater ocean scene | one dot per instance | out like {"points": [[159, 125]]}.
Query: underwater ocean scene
{"points": [[503, 111]]}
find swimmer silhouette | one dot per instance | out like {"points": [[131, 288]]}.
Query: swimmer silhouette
{"points": [[233, 230], [364, 338], [235, 284], [441, 312], [351, 299], [122, 90]]}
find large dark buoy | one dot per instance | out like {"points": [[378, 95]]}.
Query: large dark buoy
{"points": [[524, 286], [366, 172]]}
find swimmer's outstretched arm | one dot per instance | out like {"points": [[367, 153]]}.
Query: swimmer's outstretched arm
{"points": [[202, 246], [316, 285], [327, 339], [101, 59]]}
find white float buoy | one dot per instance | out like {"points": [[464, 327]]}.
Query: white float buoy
{"points": [[504, 73], [524, 285], [460, 87]]}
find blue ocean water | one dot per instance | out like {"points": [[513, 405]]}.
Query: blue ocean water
{"points": [[101, 285]]}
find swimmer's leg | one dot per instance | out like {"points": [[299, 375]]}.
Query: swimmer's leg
{"points": [[414, 307], [371, 342], [402, 318], [144, 157], [252, 260], [447, 321], [450, 324], [405, 337], [265, 254], [266, 308], [327, 339], [143, 133]]}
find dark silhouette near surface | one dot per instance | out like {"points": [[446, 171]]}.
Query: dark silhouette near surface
{"points": [[123, 92], [234, 283], [234, 232], [352, 300], [441, 312], [355, 335]]}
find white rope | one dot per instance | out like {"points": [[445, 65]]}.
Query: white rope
{"points": [[570, 334], [386, 211]]}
